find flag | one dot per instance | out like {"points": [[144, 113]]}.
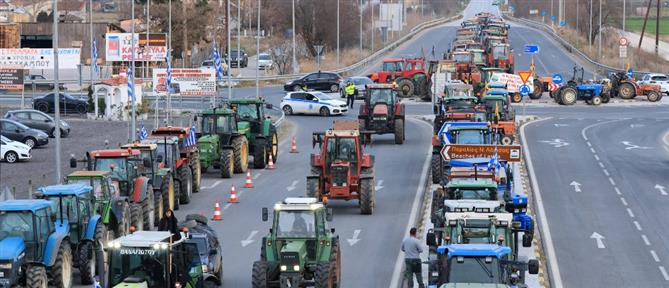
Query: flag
{"points": [[97, 283], [191, 140], [131, 84], [143, 134], [94, 61], [494, 163], [217, 62], [168, 71]]}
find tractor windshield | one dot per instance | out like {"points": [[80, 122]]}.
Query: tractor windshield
{"points": [[94, 182], [213, 124], [476, 231], [478, 57], [470, 137], [70, 210], [166, 150], [392, 66], [118, 167], [474, 270], [461, 104], [296, 224], [455, 92], [381, 95], [499, 52], [138, 265], [462, 57], [17, 224], [247, 111], [474, 193], [341, 149]]}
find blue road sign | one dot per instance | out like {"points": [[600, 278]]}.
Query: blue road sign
{"points": [[562, 23], [630, 72], [553, 18], [531, 48], [557, 78], [543, 13], [524, 90]]}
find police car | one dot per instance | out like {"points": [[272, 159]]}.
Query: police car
{"points": [[312, 102]]}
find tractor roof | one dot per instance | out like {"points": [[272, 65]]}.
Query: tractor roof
{"points": [[473, 205], [468, 127], [146, 239], [393, 59], [88, 174], [114, 153], [246, 101], [471, 183], [298, 203], [379, 86], [218, 111], [170, 131], [344, 128], [498, 95], [32, 205], [475, 250], [155, 140], [481, 162], [66, 189], [140, 146], [502, 219]]}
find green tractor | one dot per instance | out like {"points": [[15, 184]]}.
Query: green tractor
{"points": [[223, 143], [299, 249], [263, 134]]}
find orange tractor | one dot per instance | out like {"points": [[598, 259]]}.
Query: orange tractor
{"points": [[408, 73], [625, 87], [341, 170]]}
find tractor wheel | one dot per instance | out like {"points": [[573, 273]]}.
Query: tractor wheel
{"points": [[259, 154], [159, 206], [507, 140], [420, 87], [177, 196], [627, 90], [149, 212], [168, 191], [606, 97], [538, 90], [367, 196], [406, 88], [313, 188], [227, 163], [324, 276], [86, 255], [568, 96], [61, 271], [272, 145], [186, 177], [210, 284], [596, 100], [399, 131], [259, 274], [516, 98], [653, 96], [241, 147], [335, 262], [123, 226], [197, 174], [36, 277], [437, 168], [136, 216]]}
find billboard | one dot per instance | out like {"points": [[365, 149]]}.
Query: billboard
{"points": [[11, 78], [118, 47], [32, 58], [190, 82], [512, 81], [391, 16]]}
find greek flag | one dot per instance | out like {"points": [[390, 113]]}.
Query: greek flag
{"points": [[131, 84], [191, 140], [494, 163], [168, 78], [94, 61], [97, 283], [217, 62], [143, 134]]}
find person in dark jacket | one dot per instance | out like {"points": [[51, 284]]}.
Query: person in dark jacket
{"points": [[169, 223]]}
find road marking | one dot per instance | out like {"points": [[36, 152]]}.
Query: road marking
{"points": [[249, 239], [645, 239], [612, 182], [629, 211], [592, 150], [212, 185], [355, 239], [596, 157], [227, 206], [617, 191], [657, 259], [577, 186], [379, 185], [599, 239], [557, 143], [636, 125], [638, 226], [256, 176], [560, 125], [664, 273], [631, 146], [292, 185], [606, 172], [588, 142], [661, 189], [601, 165], [622, 199]]}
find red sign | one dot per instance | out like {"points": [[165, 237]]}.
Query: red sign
{"points": [[623, 41], [524, 75]]}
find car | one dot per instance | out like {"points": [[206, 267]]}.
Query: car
{"points": [[360, 83], [22, 133], [312, 102], [326, 81], [41, 84], [211, 64], [38, 120], [265, 61], [13, 151], [67, 103], [661, 79], [240, 56]]}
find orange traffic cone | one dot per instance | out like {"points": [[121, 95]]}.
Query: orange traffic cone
{"points": [[233, 195], [248, 183], [293, 146], [270, 165], [217, 212]]}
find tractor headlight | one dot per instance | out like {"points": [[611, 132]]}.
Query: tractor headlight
{"points": [[7, 266], [156, 246], [205, 268], [296, 268], [284, 268]]}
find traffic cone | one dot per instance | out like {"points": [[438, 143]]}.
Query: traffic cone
{"points": [[233, 195], [270, 165], [248, 183], [217, 212], [293, 146]]}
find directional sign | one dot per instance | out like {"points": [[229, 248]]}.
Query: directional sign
{"points": [[562, 24], [509, 153], [524, 90], [557, 78], [524, 75], [319, 49], [543, 13], [553, 18], [531, 49], [630, 73]]}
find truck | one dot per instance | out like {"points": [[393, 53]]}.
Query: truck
{"points": [[263, 133], [295, 254], [222, 142], [382, 112]]}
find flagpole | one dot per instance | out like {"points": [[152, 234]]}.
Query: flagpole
{"points": [[93, 59], [131, 75]]}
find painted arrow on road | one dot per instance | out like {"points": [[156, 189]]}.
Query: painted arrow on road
{"points": [[355, 239], [557, 143], [599, 239], [292, 186], [577, 186], [379, 185], [249, 239], [661, 189], [631, 146]]}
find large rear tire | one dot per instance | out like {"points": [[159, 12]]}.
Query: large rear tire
{"points": [[259, 154], [61, 271], [186, 177], [149, 212], [313, 188], [405, 88], [197, 173], [123, 226], [516, 98], [538, 90], [159, 205], [596, 100], [627, 90], [367, 196], [335, 262], [568, 96], [227, 163], [176, 204], [324, 276], [273, 145], [259, 274], [136, 216], [86, 257], [437, 167], [36, 277], [241, 147], [399, 131]]}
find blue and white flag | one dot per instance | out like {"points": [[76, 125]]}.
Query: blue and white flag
{"points": [[168, 70], [217, 62], [94, 61], [494, 163], [131, 84], [97, 283], [191, 140], [143, 134]]}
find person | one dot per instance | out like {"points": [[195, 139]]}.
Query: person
{"points": [[350, 94], [412, 249], [299, 224], [169, 223]]}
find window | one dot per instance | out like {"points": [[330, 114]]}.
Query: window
{"points": [[311, 77], [249, 111], [381, 95], [474, 270], [660, 78], [70, 207], [264, 57], [298, 96], [409, 66], [142, 262], [222, 124], [362, 81], [310, 97], [296, 224], [8, 126], [38, 117], [17, 223], [470, 137], [22, 115]]}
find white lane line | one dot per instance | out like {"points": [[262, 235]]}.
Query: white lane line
{"points": [[601, 164], [629, 211], [664, 273], [596, 157], [227, 206], [592, 150], [606, 172], [645, 239], [612, 182], [617, 191], [212, 185], [256, 176], [652, 253], [622, 199], [589, 145], [638, 226]]}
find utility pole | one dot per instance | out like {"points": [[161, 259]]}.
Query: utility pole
{"points": [[168, 103], [227, 57], [131, 73], [590, 29], [560, 11], [148, 28], [294, 46], [90, 26], [577, 15], [239, 26], [657, 28], [360, 9], [258, 53], [371, 5], [337, 34], [624, 13], [599, 32], [56, 82]]}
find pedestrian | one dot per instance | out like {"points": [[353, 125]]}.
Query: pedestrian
{"points": [[350, 94], [412, 249], [169, 223]]}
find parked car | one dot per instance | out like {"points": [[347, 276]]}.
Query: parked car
{"points": [[22, 133], [211, 64], [241, 55], [68, 104], [28, 83], [13, 151], [661, 79], [38, 120], [265, 61], [360, 83], [328, 81], [312, 102]]}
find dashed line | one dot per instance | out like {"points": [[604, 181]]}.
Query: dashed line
{"points": [[589, 145], [652, 253], [645, 239], [664, 273], [622, 199], [629, 211], [612, 182], [606, 172], [618, 191], [638, 226], [596, 157], [592, 150], [227, 206], [256, 176], [601, 164]]}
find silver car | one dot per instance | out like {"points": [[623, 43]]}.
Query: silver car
{"points": [[265, 61], [38, 120], [360, 83]]}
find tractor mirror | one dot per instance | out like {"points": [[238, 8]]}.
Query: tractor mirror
{"points": [[430, 239], [332, 230], [159, 158], [73, 162], [328, 215], [265, 214], [269, 106]]}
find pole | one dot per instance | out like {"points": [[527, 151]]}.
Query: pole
{"points": [[56, 83], [239, 25], [657, 28], [294, 47], [258, 53], [577, 15], [599, 32], [133, 135], [645, 20], [552, 14], [227, 20], [148, 28], [337, 35], [93, 95], [624, 13], [590, 32], [360, 27], [373, 28], [168, 102]]}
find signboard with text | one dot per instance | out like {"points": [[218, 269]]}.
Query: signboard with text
{"points": [[118, 47], [11, 78], [33, 58], [191, 82], [512, 81], [509, 153]]}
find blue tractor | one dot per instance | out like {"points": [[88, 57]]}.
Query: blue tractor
{"points": [[577, 89], [74, 206], [35, 249]]}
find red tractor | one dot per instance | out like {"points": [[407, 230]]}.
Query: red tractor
{"points": [[465, 69], [382, 112], [189, 154], [341, 170], [500, 55], [408, 73]]}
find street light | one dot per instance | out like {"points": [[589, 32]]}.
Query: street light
{"points": [[294, 47], [56, 82], [258, 53]]}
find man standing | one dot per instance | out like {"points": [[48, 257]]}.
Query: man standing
{"points": [[350, 94], [412, 249]]}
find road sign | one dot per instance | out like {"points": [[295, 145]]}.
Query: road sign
{"points": [[11, 78], [543, 13], [562, 24], [553, 18], [557, 78], [524, 75], [622, 51], [552, 87], [524, 90], [509, 153], [630, 72], [531, 49], [319, 49], [623, 41]]}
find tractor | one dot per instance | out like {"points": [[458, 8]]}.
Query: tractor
{"points": [[382, 112], [263, 132], [500, 55], [155, 259], [456, 133], [113, 208], [208, 247], [577, 89], [125, 166], [189, 154], [299, 250], [624, 86], [500, 114], [222, 143], [342, 170], [456, 108], [408, 73], [37, 251], [75, 205]]}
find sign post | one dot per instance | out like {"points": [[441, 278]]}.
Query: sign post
{"points": [[510, 153], [622, 49], [319, 49]]}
